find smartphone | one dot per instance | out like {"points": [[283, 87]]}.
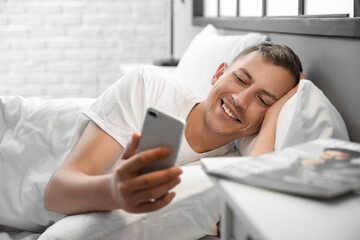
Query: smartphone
{"points": [[161, 129]]}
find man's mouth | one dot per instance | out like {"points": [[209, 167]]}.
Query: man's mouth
{"points": [[228, 112]]}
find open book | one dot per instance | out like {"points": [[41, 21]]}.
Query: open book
{"points": [[324, 168]]}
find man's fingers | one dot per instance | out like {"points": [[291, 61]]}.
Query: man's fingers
{"points": [[287, 96], [152, 180], [291, 92], [155, 192], [155, 178], [148, 188], [144, 158], [151, 206], [302, 76], [130, 149]]}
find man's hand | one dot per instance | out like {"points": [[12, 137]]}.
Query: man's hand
{"points": [[274, 110], [265, 141], [142, 193], [302, 76]]}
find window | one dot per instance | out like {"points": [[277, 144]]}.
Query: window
{"points": [[326, 17]]}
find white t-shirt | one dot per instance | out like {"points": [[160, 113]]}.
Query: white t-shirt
{"points": [[120, 110]]}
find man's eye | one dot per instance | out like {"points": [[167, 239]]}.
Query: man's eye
{"points": [[263, 102], [240, 80]]}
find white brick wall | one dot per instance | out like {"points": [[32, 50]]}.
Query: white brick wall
{"points": [[73, 48]]}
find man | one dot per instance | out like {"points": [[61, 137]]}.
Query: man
{"points": [[246, 97]]}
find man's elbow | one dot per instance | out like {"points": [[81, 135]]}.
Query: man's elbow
{"points": [[49, 195]]}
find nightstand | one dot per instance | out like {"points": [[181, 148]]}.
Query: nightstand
{"points": [[250, 213]]}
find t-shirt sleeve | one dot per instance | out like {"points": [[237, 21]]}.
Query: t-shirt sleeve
{"points": [[120, 110]]}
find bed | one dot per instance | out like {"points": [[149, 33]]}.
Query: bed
{"points": [[331, 63]]}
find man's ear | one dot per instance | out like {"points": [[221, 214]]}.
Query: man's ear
{"points": [[220, 71]]}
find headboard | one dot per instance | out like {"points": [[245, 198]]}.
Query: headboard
{"points": [[330, 57]]}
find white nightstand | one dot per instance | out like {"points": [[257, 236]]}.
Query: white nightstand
{"points": [[249, 213]]}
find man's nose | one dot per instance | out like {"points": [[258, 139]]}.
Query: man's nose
{"points": [[242, 99]]}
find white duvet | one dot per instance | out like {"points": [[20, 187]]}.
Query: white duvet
{"points": [[35, 138]]}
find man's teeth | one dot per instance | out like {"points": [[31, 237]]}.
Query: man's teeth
{"points": [[228, 112]]}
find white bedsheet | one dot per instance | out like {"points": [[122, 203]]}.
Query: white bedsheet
{"points": [[35, 137]]}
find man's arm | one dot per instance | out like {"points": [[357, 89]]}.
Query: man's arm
{"points": [[80, 186]]}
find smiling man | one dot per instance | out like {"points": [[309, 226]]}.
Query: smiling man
{"points": [[246, 98], [241, 95]]}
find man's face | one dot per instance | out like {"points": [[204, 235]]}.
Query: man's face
{"points": [[240, 97]]}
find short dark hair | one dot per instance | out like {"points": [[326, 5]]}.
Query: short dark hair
{"points": [[278, 54]]}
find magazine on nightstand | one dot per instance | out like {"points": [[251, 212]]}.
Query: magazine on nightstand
{"points": [[325, 168]]}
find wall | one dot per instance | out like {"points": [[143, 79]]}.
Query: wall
{"points": [[73, 48], [67, 48]]}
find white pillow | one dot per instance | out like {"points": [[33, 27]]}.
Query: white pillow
{"points": [[308, 115], [35, 138], [206, 52], [192, 214]]}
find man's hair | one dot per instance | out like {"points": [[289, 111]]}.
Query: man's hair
{"points": [[277, 54]]}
